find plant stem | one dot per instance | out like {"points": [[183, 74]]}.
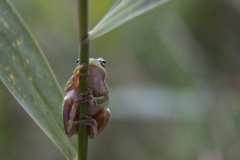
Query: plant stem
{"points": [[83, 81]]}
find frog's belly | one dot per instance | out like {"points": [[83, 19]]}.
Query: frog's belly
{"points": [[95, 109]]}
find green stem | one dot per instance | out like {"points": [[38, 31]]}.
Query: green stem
{"points": [[83, 84]]}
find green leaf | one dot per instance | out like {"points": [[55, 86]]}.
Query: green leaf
{"points": [[121, 12], [26, 73]]}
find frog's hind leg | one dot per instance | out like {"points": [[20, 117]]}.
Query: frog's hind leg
{"points": [[90, 122], [70, 119], [70, 128], [102, 118]]}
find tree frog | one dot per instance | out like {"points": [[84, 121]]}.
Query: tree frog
{"points": [[96, 96]]}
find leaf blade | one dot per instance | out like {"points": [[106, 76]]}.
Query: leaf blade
{"points": [[121, 12], [26, 73]]}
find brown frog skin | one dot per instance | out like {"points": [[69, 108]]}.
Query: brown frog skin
{"points": [[96, 96]]}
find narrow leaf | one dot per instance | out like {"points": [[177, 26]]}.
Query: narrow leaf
{"points": [[121, 12], [26, 73]]}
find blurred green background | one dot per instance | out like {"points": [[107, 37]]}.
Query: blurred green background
{"points": [[173, 75]]}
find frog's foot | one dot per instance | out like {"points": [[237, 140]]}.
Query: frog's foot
{"points": [[77, 75], [80, 97], [86, 97], [76, 72], [89, 121], [79, 67], [89, 99]]}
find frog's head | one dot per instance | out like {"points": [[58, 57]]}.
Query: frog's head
{"points": [[100, 62]]}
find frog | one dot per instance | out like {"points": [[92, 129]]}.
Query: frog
{"points": [[96, 96]]}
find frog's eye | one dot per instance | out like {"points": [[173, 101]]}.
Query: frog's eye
{"points": [[77, 62], [103, 63]]}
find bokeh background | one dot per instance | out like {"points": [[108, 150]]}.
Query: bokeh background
{"points": [[173, 75]]}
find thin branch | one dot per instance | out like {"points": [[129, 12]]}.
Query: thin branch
{"points": [[83, 83]]}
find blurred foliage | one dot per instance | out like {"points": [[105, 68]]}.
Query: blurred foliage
{"points": [[173, 75], [27, 75], [121, 12]]}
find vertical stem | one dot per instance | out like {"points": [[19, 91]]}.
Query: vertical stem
{"points": [[83, 81]]}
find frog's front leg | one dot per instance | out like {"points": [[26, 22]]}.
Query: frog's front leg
{"points": [[73, 82], [94, 101]]}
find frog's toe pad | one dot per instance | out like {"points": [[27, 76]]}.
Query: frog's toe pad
{"points": [[88, 121]]}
